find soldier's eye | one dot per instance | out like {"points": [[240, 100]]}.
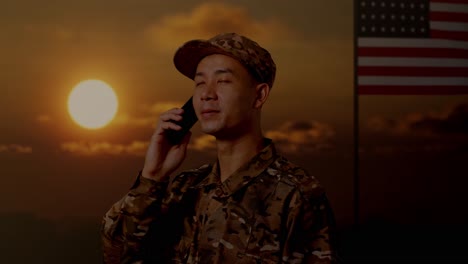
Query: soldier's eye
{"points": [[199, 83]]}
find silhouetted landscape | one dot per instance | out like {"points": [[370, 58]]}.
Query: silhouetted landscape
{"points": [[28, 239]]}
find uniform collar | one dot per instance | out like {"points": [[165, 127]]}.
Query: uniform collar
{"points": [[242, 176]]}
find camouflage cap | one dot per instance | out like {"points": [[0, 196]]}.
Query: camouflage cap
{"points": [[256, 59]]}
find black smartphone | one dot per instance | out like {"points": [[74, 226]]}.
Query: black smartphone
{"points": [[189, 118]]}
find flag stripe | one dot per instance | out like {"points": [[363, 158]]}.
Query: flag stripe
{"points": [[450, 1], [412, 43], [412, 90], [449, 35], [416, 62], [449, 17], [450, 26], [413, 52], [412, 71], [411, 81], [450, 7]]}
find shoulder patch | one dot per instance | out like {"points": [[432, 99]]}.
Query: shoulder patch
{"points": [[294, 175]]}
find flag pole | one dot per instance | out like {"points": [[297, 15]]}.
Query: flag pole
{"points": [[356, 194]]}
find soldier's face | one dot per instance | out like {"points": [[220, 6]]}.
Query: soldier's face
{"points": [[224, 96]]}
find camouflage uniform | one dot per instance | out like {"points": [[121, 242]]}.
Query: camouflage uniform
{"points": [[268, 211]]}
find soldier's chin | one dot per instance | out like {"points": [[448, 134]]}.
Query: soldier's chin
{"points": [[210, 129], [218, 133]]}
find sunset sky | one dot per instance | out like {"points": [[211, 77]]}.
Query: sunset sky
{"points": [[413, 148]]}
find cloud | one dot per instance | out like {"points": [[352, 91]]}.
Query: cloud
{"points": [[146, 115], [445, 131], [159, 107], [15, 148], [209, 19], [50, 31], [43, 118], [135, 148], [414, 148], [203, 143], [294, 136], [453, 121], [134, 121]]}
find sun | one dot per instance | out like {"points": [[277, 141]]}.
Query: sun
{"points": [[92, 104]]}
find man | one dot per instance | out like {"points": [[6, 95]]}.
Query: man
{"points": [[250, 206]]}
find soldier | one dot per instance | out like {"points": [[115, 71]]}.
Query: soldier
{"points": [[250, 206]]}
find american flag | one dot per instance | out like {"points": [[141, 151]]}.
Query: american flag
{"points": [[412, 46]]}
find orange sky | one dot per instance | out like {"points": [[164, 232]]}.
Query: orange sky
{"points": [[56, 169]]}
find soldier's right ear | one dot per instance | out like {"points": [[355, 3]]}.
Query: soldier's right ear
{"points": [[262, 90]]}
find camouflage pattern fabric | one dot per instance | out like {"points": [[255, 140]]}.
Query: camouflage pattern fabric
{"points": [[256, 59], [268, 211]]}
